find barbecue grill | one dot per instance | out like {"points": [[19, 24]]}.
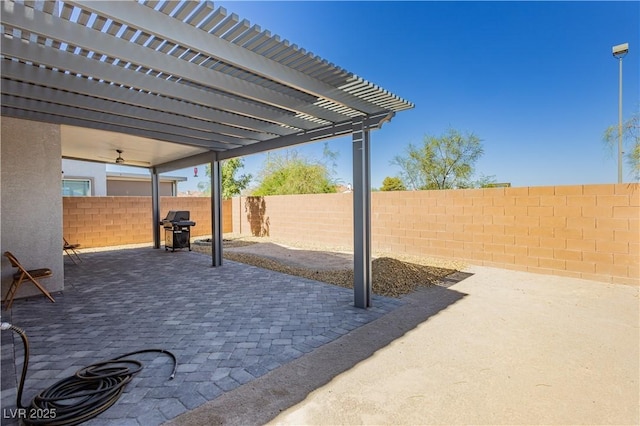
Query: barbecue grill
{"points": [[177, 230]]}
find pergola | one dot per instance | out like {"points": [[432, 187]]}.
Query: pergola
{"points": [[185, 83]]}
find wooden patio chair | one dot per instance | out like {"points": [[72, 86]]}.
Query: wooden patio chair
{"points": [[23, 275], [70, 249]]}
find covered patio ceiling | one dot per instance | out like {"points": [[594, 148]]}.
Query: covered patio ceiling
{"points": [[174, 84], [168, 82]]}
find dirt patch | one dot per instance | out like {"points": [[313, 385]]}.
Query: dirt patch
{"points": [[298, 257], [226, 243], [390, 276]]}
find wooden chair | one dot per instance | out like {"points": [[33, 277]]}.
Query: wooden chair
{"points": [[23, 275], [71, 249]]}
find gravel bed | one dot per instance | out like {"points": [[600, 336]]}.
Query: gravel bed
{"points": [[392, 277]]}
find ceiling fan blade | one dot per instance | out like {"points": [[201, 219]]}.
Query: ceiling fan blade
{"points": [[121, 160], [125, 162], [136, 163]]}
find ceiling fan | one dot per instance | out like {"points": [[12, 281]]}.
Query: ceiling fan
{"points": [[120, 160]]}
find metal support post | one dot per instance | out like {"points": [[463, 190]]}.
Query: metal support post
{"points": [[216, 212], [155, 206], [361, 216]]}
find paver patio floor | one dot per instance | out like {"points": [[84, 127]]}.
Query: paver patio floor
{"points": [[227, 326]]}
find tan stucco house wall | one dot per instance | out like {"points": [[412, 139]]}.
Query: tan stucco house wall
{"points": [[30, 190]]}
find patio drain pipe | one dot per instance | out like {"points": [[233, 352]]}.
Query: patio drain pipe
{"points": [[86, 394]]}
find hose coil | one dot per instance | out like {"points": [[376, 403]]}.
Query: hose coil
{"points": [[89, 392]]}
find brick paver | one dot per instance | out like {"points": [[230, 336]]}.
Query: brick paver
{"points": [[227, 326]]}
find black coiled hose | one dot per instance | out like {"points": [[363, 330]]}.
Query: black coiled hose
{"points": [[86, 394]]}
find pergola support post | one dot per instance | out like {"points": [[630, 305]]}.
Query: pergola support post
{"points": [[155, 206], [361, 216], [216, 211]]}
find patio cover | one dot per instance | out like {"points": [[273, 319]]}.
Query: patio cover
{"points": [[188, 84]]}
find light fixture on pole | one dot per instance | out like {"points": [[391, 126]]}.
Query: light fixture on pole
{"points": [[620, 51]]}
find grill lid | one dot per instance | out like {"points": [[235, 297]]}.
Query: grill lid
{"points": [[177, 218], [177, 215]]}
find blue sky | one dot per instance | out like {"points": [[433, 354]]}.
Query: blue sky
{"points": [[536, 81]]}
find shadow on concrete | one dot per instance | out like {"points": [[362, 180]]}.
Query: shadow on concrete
{"points": [[264, 398]]}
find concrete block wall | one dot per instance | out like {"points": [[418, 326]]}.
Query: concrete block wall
{"points": [[584, 231], [322, 218], [107, 221]]}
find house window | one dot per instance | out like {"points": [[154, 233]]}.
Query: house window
{"points": [[76, 187]]}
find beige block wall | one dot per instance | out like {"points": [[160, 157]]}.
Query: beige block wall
{"points": [[107, 221], [585, 231], [324, 218]]}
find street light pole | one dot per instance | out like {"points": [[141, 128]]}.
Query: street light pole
{"points": [[620, 123], [619, 51]]}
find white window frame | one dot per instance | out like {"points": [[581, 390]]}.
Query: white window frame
{"points": [[89, 181]]}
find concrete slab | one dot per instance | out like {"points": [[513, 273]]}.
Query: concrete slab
{"points": [[519, 348]]}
